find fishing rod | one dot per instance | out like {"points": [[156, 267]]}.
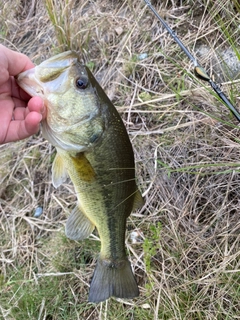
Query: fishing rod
{"points": [[199, 71]]}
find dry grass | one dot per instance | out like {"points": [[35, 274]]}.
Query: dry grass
{"points": [[187, 261]]}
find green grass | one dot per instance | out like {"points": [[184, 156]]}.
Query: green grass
{"points": [[59, 13]]}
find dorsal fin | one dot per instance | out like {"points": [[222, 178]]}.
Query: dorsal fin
{"points": [[138, 200]]}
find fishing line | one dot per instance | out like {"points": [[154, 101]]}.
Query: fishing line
{"points": [[199, 71]]}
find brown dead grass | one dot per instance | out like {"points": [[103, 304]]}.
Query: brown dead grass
{"points": [[187, 160]]}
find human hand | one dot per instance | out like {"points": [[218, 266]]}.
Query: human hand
{"points": [[20, 115]]}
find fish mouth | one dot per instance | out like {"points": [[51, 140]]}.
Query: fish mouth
{"points": [[29, 83], [48, 76]]}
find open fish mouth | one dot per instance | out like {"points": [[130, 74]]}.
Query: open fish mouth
{"points": [[49, 76]]}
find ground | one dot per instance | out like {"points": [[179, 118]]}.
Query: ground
{"points": [[183, 243]]}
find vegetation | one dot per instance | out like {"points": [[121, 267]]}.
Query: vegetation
{"points": [[186, 247]]}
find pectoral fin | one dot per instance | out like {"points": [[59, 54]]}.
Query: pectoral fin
{"points": [[59, 172], [83, 167], [78, 226]]}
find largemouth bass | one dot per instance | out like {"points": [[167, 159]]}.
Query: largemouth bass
{"points": [[94, 149]]}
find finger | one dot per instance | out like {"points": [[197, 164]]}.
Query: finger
{"points": [[32, 122], [37, 104], [13, 62], [21, 110], [19, 113], [21, 129], [6, 111]]}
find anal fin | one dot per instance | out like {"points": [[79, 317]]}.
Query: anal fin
{"points": [[78, 226]]}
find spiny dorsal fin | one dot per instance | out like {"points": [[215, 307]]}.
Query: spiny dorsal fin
{"points": [[78, 226], [59, 172]]}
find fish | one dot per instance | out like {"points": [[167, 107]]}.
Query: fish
{"points": [[94, 150]]}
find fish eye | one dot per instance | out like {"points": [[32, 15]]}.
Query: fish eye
{"points": [[82, 82]]}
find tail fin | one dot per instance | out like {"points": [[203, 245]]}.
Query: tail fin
{"points": [[112, 279]]}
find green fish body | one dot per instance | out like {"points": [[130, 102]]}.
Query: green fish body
{"points": [[94, 150]]}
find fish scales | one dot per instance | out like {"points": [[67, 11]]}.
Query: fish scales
{"points": [[94, 149]]}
